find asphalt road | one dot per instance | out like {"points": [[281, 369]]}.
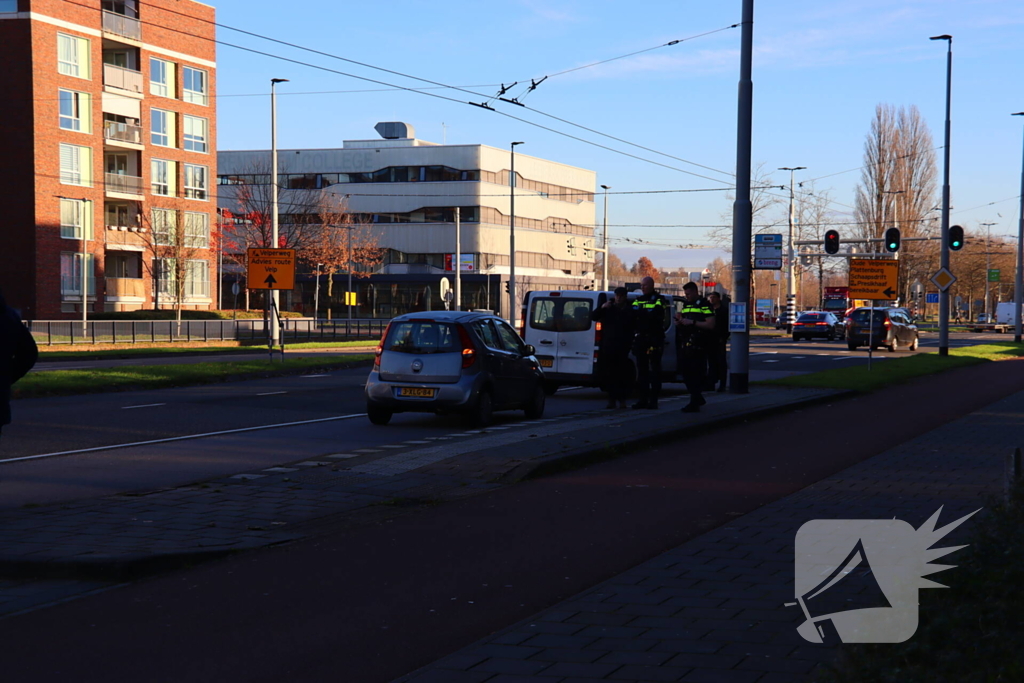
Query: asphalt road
{"points": [[373, 603]]}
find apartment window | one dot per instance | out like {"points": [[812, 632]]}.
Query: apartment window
{"points": [[195, 134], [75, 219], [161, 77], [75, 165], [120, 216], [197, 230], [163, 128], [196, 182], [165, 226], [71, 274], [75, 110], [72, 55], [165, 275], [197, 278], [164, 175], [194, 85]]}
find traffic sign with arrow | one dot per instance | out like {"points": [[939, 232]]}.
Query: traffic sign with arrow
{"points": [[874, 279], [271, 269]]}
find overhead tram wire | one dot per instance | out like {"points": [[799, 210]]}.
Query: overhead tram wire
{"points": [[461, 89]]}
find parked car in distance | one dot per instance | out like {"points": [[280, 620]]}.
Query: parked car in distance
{"points": [[453, 362], [888, 327], [810, 324]]}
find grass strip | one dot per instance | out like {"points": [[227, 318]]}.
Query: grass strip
{"points": [[896, 370], [971, 631], [148, 377], [134, 351]]}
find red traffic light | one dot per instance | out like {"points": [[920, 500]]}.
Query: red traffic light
{"points": [[832, 242]]}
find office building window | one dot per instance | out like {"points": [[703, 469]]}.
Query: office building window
{"points": [[72, 56], [75, 110], [165, 226], [196, 182], [161, 77], [163, 177], [75, 219], [163, 128], [194, 85], [197, 230], [75, 165], [195, 134]]}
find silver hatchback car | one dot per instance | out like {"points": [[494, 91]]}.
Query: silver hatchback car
{"points": [[453, 362]]}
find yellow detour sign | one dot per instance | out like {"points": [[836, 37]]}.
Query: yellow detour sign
{"points": [[871, 279], [271, 269]]}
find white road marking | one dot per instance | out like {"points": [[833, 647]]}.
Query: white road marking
{"points": [[272, 393], [771, 361], [147, 405], [799, 357], [764, 353], [183, 438], [306, 376]]}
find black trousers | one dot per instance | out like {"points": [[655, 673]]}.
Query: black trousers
{"points": [[718, 363], [648, 371], [616, 372], [693, 362]]}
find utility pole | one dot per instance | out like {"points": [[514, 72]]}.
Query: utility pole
{"points": [[512, 239], [944, 294], [1018, 281], [604, 269], [791, 294], [274, 294]]}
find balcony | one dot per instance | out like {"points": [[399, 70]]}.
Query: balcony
{"points": [[121, 25], [126, 238], [121, 78], [71, 286], [124, 185], [116, 131], [126, 286]]}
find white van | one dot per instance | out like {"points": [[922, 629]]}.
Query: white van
{"points": [[558, 325]]}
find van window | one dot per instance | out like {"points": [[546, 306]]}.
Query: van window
{"points": [[555, 314], [421, 337]]}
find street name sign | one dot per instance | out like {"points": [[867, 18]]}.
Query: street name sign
{"points": [[271, 269], [943, 279], [767, 252], [874, 279]]}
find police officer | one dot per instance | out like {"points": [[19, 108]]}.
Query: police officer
{"points": [[649, 343], [614, 366], [695, 325], [718, 365]]}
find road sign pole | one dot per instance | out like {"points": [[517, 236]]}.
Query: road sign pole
{"points": [[871, 329]]}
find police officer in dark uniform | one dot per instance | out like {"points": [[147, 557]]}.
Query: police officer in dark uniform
{"points": [[649, 344], [613, 364], [718, 363], [695, 325]]}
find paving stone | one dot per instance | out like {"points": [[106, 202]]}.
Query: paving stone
{"points": [[511, 666], [717, 676], [558, 654]]}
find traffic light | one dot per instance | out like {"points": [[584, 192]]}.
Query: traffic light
{"points": [[832, 242], [892, 239], [956, 237], [506, 287]]}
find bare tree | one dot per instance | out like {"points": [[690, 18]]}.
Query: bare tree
{"points": [[815, 215], [763, 198]]}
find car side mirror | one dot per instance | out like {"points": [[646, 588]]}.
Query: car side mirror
{"points": [[529, 350]]}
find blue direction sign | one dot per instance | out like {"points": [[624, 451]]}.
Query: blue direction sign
{"points": [[768, 252], [931, 297]]}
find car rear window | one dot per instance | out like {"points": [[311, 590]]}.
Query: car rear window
{"points": [[810, 318], [421, 336], [861, 316], [555, 314]]}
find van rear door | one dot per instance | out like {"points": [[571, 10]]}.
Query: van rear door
{"points": [[561, 330]]}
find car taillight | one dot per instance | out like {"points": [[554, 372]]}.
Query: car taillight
{"points": [[821, 323], [597, 335], [887, 324], [468, 348], [380, 347]]}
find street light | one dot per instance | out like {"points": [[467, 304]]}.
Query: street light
{"points": [[604, 270], [1018, 282], [988, 264], [944, 251], [512, 239], [316, 295], [274, 294], [791, 294]]}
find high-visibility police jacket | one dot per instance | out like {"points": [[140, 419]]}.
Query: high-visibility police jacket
{"points": [[698, 311], [650, 318]]}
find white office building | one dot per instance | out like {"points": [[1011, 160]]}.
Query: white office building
{"points": [[408, 189]]}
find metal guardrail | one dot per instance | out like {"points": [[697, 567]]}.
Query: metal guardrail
{"points": [[57, 332]]}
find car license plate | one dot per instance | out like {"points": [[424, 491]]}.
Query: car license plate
{"points": [[416, 392], [547, 362]]}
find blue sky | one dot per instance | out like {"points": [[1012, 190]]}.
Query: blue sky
{"points": [[819, 71]]}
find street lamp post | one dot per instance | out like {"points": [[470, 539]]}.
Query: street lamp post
{"points": [[604, 269], [274, 294], [512, 238], [86, 221], [791, 274], [316, 295], [944, 294], [458, 259], [1018, 282], [988, 267]]}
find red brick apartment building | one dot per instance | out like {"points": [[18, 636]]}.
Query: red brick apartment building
{"points": [[107, 133]]}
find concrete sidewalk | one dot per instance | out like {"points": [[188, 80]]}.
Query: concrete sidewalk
{"points": [[52, 552], [711, 610]]}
